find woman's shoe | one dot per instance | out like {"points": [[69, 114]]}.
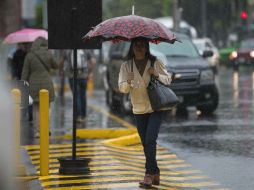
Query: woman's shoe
{"points": [[156, 179], [148, 180]]}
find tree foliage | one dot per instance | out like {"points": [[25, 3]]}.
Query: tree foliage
{"points": [[39, 16]]}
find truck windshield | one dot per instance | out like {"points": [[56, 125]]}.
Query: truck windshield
{"points": [[178, 49]]}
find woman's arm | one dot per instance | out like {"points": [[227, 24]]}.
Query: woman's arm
{"points": [[163, 76], [123, 85]]}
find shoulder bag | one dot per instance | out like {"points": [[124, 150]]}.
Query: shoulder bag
{"points": [[44, 65], [160, 95]]}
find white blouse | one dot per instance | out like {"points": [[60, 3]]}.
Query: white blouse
{"points": [[137, 89]]}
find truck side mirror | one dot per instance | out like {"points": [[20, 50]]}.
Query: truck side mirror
{"points": [[207, 53]]}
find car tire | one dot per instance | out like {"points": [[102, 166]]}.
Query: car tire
{"points": [[209, 109], [181, 110]]}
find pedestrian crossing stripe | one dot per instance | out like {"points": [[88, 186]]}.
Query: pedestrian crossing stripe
{"points": [[106, 162], [104, 154], [107, 186], [126, 173], [122, 179], [116, 167], [100, 159], [91, 149], [56, 146]]}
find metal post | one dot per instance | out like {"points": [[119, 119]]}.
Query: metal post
{"points": [[204, 17], [74, 104], [73, 165], [44, 132], [176, 21]]}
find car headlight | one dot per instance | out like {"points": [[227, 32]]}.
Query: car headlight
{"points": [[252, 54], [233, 55], [206, 76]]}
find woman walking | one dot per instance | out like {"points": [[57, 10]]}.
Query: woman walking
{"points": [[134, 78]]}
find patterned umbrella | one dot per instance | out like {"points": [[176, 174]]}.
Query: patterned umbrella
{"points": [[128, 27]]}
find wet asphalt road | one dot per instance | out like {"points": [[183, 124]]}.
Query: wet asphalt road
{"points": [[220, 145]]}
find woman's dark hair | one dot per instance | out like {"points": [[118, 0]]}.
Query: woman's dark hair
{"points": [[130, 54]]}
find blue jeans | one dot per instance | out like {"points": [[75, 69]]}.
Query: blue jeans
{"points": [[148, 126], [81, 96]]}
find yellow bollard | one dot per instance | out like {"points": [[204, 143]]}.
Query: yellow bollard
{"points": [[90, 86], [44, 132], [16, 96]]}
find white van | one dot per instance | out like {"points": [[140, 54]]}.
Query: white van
{"points": [[185, 28]]}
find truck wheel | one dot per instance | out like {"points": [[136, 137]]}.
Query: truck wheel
{"points": [[209, 109], [236, 67], [181, 111]]}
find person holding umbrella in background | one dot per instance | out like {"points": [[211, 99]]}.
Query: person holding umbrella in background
{"points": [[19, 58], [36, 70], [23, 38]]}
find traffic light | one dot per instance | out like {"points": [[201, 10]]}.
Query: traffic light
{"points": [[244, 18], [244, 15]]}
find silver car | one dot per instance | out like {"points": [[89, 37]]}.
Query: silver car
{"points": [[206, 44]]}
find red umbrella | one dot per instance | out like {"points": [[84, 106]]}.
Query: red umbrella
{"points": [[128, 27]]}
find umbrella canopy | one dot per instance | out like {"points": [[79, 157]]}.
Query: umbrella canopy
{"points": [[25, 35], [129, 27]]}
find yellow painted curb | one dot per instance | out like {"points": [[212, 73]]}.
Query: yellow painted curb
{"points": [[102, 133], [124, 141]]}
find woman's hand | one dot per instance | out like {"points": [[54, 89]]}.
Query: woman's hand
{"points": [[130, 77], [152, 71]]}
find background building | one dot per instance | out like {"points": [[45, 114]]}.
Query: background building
{"points": [[10, 16], [17, 14]]}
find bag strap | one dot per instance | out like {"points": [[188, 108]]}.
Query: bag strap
{"points": [[152, 65], [152, 62], [41, 61], [132, 65]]}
